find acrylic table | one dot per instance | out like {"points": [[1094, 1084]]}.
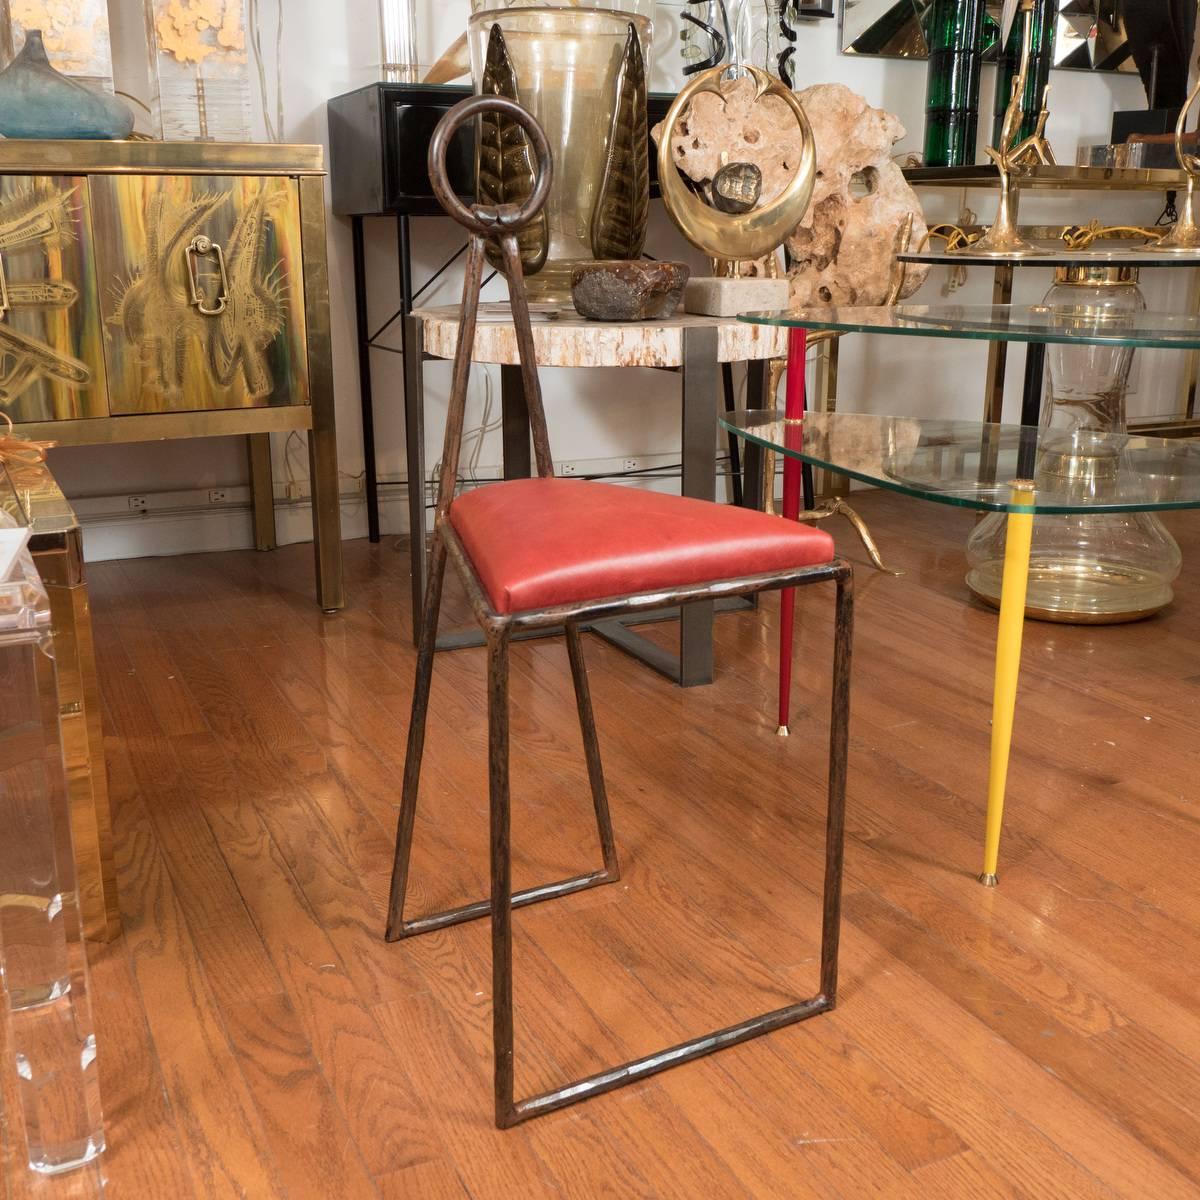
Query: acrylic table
{"points": [[1014, 469], [49, 1081], [30, 496]]}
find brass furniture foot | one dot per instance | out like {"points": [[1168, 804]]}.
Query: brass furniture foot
{"points": [[839, 508]]}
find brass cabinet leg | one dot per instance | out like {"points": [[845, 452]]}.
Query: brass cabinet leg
{"points": [[83, 754], [322, 439], [262, 490], [327, 518]]}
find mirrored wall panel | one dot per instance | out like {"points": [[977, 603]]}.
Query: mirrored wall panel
{"points": [[1089, 34]]}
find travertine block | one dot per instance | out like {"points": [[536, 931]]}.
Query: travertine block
{"points": [[714, 297]]}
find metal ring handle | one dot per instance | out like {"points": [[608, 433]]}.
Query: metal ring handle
{"points": [[507, 218]]}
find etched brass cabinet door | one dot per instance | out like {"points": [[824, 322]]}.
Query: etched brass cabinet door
{"points": [[202, 289], [51, 356]]}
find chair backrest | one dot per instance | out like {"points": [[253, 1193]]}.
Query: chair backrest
{"points": [[499, 223]]}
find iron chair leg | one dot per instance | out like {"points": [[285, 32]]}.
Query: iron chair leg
{"points": [[397, 926], [509, 1111], [591, 750], [501, 871], [416, 738]]}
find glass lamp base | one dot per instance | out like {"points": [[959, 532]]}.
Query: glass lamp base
{"points": [[1079, 591]]}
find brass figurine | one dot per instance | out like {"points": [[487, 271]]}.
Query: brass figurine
{"points": [[1013, 158], [1184, 237]]}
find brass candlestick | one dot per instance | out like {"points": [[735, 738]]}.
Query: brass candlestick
{"points": [[1012, 158], [1184, 237]]}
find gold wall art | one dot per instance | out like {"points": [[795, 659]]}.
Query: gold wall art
{"points": [[202, 292], [75, 34], [51, 349]]}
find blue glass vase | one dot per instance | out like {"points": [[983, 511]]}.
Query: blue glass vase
{"points": [[38, 102]]}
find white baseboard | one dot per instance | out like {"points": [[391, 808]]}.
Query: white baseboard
{"points": [[187, 522]]}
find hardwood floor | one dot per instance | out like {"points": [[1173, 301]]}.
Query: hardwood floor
{"points": [[258, 1038]]}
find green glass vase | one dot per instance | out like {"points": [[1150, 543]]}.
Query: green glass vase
{"points": [[1040, 58], [955, 38]]}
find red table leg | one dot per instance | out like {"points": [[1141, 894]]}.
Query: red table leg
{"points": [[792, 480]]}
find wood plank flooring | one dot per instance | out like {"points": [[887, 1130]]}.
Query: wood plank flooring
{"points": [[259, 1039]]}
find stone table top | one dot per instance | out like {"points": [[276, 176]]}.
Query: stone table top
{"points": [[562, 338]]}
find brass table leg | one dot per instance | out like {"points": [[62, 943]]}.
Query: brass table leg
{"points": [[262, 490]]}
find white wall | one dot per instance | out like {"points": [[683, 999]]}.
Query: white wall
{"points": [[330, 47]]}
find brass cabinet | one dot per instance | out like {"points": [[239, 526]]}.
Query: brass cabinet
{"points": [[166, 289], [232, 242], [51, 338]]}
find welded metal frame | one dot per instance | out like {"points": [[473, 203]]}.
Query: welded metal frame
{"points": [[501, 224]]}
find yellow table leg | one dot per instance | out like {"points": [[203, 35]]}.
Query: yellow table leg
{"points": [[1008, 666]]}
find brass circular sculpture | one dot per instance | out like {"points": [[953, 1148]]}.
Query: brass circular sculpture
{"points": [[748, 235]]}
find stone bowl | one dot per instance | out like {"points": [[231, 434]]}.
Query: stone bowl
{"points": [[637, 290]]}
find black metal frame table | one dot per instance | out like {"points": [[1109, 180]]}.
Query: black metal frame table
{"points": [[378, 164], [690, 346]]}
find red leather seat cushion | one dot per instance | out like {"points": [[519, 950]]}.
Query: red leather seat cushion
{"points": [[536, 543]]}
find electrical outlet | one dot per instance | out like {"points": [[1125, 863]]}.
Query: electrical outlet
{"points": [[567, 469], [137, 503], [630, 464], [217, 496]]}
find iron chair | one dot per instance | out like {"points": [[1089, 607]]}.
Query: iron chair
{"points": [[546, 554]]}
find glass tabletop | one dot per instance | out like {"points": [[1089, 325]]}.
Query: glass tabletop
{"points": [[999, 323], [971, 464], [1056, 256]]}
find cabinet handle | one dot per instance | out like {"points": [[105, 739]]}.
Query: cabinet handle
{"points": [[198, 247], [4, 304]]}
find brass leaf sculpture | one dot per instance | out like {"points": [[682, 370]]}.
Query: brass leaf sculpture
{"points": [[507, 169], [619, 222]]}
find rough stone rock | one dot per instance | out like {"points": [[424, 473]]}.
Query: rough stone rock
{"points": [[843, 250], [734, 127], [618, 290]]}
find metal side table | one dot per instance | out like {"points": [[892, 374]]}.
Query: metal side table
{"points": [[691, 346]]}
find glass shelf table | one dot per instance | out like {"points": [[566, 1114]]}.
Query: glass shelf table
{"points": [[1016, 470]]}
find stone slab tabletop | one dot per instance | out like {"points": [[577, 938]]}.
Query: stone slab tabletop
{"points": [[562, 338]]}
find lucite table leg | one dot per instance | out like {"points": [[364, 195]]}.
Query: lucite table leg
{"points": [[792, 480], [1019, 536]]}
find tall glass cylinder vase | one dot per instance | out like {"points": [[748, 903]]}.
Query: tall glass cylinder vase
{"points": [[581, 71], [1085, 568], [398, 33], [1041, 57], [955, 34], [44, 1000]]}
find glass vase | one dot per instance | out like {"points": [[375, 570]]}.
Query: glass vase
{"points": [[74, 32], [569, 67], [49, 1041], [1041, 57], [200, 70], [952, 82], [1085, 568], [398, 32]]}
